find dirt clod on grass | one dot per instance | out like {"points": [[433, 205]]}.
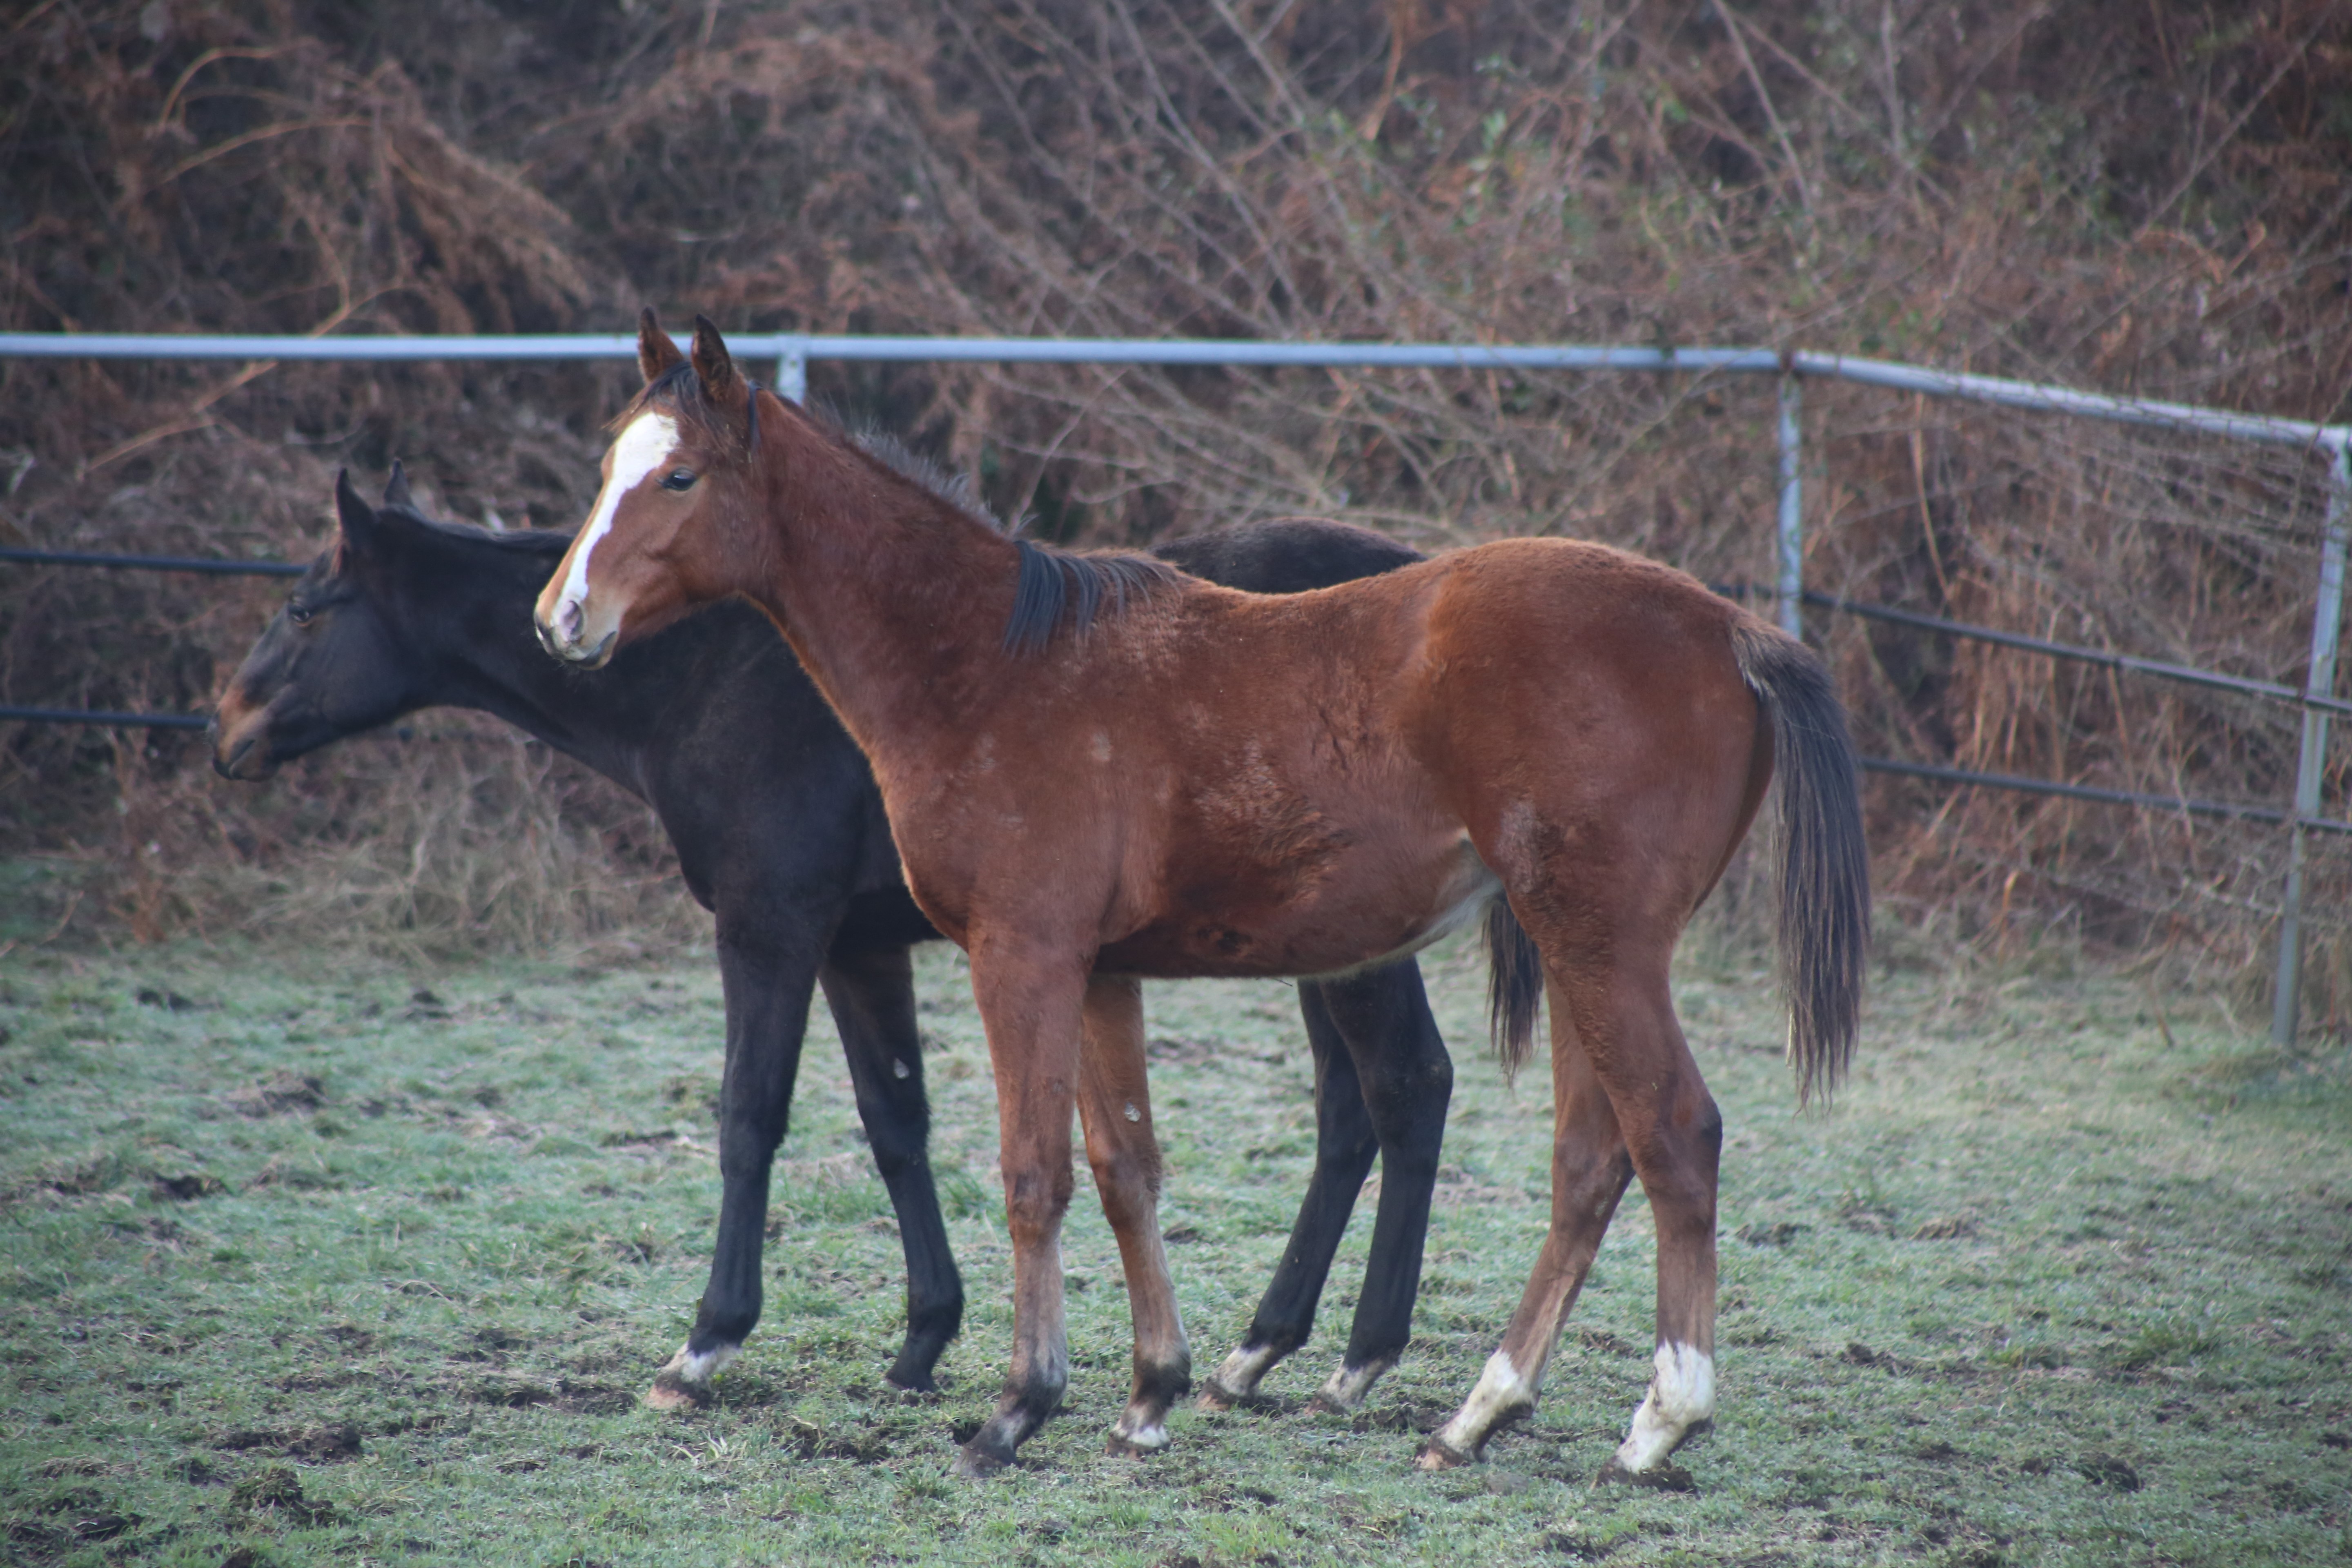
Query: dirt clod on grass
{"points": [[279, 1489], [186, 1186], [2109, 1471], [1777, 1234], [282, 1090]]}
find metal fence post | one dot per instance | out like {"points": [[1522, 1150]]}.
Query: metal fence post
{"points": [[791, 370], [1790, 584], [2311, 763]]}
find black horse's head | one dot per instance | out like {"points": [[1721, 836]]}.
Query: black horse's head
{"points": [[330, 663]]}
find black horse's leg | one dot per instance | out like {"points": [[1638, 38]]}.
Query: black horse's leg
{"points": [[768, 984], [1408, 1078], [872, 993], [1344, 1146], [1383, 1080]]}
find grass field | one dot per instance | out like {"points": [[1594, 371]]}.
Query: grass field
{"points": [[346, 1263]]}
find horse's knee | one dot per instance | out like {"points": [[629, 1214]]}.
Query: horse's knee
{"points": [[1036, 1200], [1127, 1183], [899, 1145]]}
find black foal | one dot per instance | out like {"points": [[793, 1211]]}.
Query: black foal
{"points": [[713, 725]]}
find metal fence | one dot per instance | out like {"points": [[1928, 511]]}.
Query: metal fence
{"points": [[793, 351]]}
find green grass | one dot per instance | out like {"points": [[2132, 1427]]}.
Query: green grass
{"points": [[323, 1264]]}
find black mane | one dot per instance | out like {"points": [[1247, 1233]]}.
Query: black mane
{"points": [[1052, 583], [1048, 579]]}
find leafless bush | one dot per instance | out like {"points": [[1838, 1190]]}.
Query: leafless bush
{"points": [[2140, 199]]}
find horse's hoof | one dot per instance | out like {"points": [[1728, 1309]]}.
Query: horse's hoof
{"points": [[1438, 1453], [909, 1391], [1137, 1442], [1657, 1478], [974, 1463], [1215, 1396], [1344, 1392], [670, 1392]]}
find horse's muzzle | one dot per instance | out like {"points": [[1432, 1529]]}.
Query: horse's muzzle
{"points": [[564, 646], [241, 756]]}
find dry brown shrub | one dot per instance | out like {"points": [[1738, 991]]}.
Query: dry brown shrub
{"points": [[2143, 199]]}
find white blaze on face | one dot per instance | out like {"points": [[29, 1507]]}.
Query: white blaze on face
{"points": [[1681, 1395], [644, 448]]}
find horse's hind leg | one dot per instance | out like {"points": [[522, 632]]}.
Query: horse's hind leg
{"points": [[1407, 1080], [1115, 1107], [1676, 1137], [1345, 1145], [872, 993], [1590, 1171]]}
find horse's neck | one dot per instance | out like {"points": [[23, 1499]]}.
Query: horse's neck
{"points": [[894, 602], [489, 661]]}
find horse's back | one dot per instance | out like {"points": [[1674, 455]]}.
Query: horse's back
{"points": [[1286, 555]]}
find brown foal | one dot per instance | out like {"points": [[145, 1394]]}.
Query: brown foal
{"points": [[1223, 784]]}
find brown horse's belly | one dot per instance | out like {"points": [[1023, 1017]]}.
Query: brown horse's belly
{"points": [[1361, 914]]}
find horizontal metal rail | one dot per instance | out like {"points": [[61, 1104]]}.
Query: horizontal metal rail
{"points": [[115, 720], [2188, 674], [2185, 674], [2264, 814], [212, 566], [795, 349]]}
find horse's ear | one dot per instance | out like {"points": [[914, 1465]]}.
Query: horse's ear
{"points": [[715, 366], [656, 353], [353, 514], [396, 489]]}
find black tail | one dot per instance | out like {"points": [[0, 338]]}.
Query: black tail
{"points": [[1824, 861], [1515, 985]]}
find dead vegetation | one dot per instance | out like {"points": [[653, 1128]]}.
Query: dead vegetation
{"points": [[2147, 200]]}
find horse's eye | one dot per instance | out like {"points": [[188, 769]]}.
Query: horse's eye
{"points": [[678, 479], [300, 614]]}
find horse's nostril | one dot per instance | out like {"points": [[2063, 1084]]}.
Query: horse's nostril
{"points": [[571, 618]]}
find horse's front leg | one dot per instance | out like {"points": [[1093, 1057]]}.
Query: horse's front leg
{"points": [[1115, 1107], [1031, 1002], [872, 992], [767, 982]]}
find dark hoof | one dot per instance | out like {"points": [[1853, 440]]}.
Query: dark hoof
{"points": [[913, 1385], [1663, 1479], [975, 1463], [1323, 1404], [1440, 1455], [671, 1392]]}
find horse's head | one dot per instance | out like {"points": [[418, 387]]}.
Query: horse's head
{"points": [[668, 521], [328, 665]]}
